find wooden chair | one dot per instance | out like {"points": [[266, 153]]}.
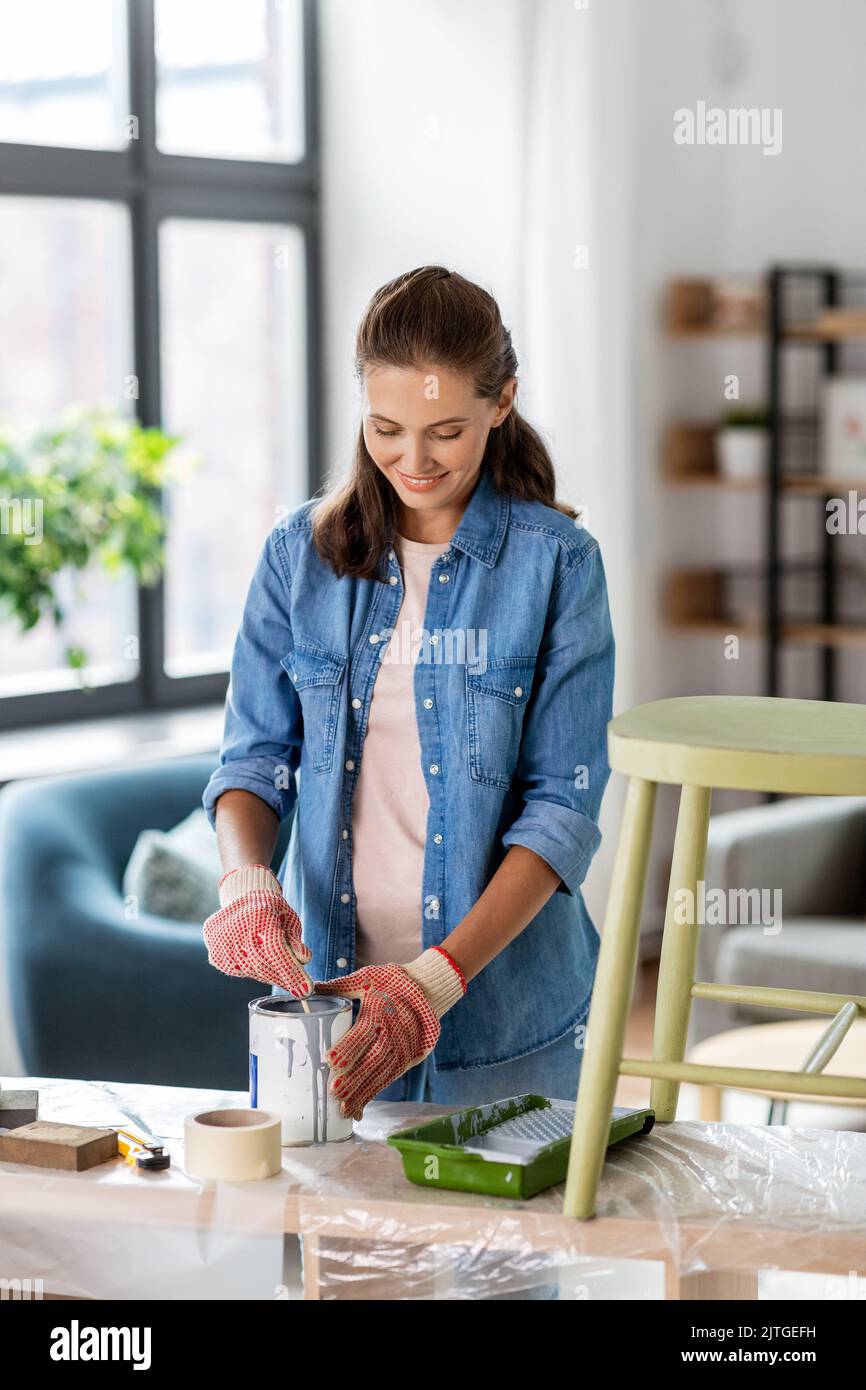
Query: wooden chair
{"points": [[806, 747]]}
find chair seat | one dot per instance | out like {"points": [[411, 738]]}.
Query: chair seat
{"points": [[750, 743]]}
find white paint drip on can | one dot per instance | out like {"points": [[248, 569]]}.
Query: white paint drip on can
{"points": [[289, 1073]]}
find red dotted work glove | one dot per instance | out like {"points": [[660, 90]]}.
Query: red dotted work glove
{"points": [[256, 934], [398, 1025]]}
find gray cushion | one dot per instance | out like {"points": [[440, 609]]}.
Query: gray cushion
{"points": [[176, 873], [814, 953]]}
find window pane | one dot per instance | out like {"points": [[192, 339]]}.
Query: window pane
{"points": [[230, 78], [233, 325], [66, 339], [63, 73]]}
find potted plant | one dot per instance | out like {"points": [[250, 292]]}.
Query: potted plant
{"points": [[80, 492], [741, 443]]}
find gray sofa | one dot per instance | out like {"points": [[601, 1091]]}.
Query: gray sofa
{"points": [[814, 850]]}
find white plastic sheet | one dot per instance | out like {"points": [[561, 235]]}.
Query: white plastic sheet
{"points": [[116, 1231], [686, 1200], [689, 1199]]}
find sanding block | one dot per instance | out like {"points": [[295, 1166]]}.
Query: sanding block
{"points": [[47, 1144]]}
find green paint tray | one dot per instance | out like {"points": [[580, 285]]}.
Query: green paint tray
{"points": [[509, 1148]]}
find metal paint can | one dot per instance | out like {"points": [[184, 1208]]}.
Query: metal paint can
{"points": [[288, 1071]]}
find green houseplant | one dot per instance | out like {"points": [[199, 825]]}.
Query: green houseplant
{"points": [[82, 491]]}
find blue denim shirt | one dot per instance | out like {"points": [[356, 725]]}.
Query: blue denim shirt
{"points": [[513, 690]]}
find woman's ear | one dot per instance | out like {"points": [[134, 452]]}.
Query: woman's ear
{"points": [[506, 401]]}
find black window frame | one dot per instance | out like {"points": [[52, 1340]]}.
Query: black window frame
{"points": [[154, 186]]}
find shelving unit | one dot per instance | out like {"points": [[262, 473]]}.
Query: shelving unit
{"points": [[829, 636], [694, 600]]}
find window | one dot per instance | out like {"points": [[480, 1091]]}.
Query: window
{"points": [[240, 407], [230, 78], [158, 224]]}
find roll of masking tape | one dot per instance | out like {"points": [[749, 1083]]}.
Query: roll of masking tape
{"points": [[235, 1145]]}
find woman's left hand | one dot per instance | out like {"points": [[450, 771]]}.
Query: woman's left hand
{"points": [[397, 1027]]}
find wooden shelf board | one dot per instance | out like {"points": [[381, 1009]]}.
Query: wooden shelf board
{"points": [[824, 635], [822, 483], [795, 634], [794, 333], [714, 480], [811, 333], [724, 626], [702, 330], [810, 484]]}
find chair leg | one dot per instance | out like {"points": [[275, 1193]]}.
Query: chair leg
{"points": [[614, 982], [679, 945]]}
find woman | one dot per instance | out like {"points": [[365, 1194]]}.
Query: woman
{"points": [[449, 790]]}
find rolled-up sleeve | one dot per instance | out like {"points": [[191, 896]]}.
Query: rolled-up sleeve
{"points": [[563, 768], [263, 723]]}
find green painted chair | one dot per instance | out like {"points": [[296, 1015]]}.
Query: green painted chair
{"points": [[805, 747]]}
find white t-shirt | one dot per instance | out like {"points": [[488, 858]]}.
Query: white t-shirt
{"points": [[391, 804]]}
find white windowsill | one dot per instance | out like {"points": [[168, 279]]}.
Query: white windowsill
{"points": [[88, 745]]}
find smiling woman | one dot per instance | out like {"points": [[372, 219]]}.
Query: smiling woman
{"points": [[438, 375], [438, 811], [421, 454]]}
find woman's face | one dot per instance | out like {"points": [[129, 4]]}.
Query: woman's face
{"points": [[427, 431]]}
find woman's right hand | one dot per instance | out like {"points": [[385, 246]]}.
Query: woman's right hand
{"points": [[256, 934]]}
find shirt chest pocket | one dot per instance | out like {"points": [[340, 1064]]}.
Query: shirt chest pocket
{"points": [[317, 675], [495, 702]]}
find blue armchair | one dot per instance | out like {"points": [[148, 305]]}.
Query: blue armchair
{"points": [[96, 995]]}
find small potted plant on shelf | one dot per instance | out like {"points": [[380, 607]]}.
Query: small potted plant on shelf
{"points": [[741, 442], [80, 493]]}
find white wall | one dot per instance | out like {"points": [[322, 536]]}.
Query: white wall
{"points": [[423, 120], [705, 209], [717, 209], [442, 127]]}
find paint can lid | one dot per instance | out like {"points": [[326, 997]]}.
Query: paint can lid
{"points": [[282, 1006]]}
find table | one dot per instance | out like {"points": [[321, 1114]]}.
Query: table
{"points": [[780, 1046], [714, 1203]]}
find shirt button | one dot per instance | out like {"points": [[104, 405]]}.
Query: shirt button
{"points": [[428, 703], [437, 839], [393, 579], [518, 690], [344, 897], [342, 962], [356, 703], [392, 555], [349, 765], [294, 675], [434, 902], [345, 834], [434, 638], [374, 637], [443, 579], [434, 767]]}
